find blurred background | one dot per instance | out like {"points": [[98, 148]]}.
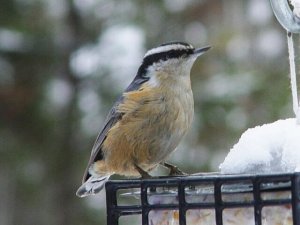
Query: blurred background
{"points": [[63, 63]]}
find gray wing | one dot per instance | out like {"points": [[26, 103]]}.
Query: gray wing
{"points": [[112, 118]]}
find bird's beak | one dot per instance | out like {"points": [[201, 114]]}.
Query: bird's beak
{"points": [[200, 51]]}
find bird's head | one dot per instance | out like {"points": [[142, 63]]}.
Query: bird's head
{"points": [[173, 59]]}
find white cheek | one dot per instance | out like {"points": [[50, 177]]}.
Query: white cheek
{"points": [[153, 81]]}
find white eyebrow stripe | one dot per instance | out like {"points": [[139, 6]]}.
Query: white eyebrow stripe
{"points": [[167, 48]]}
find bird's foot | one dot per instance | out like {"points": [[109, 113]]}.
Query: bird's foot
{"points": [[174, 170], [142, 172]]}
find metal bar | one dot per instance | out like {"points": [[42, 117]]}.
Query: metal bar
{"points": [[111, 203], [181, 203], [257, 201], [162, 181], [218, 202], [128, 210], [296, 198], [144, 203]]}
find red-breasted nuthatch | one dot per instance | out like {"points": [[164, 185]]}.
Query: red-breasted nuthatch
{"points": [[148, 121]]}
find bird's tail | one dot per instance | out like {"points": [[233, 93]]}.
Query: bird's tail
{"points": [[92, 186]]}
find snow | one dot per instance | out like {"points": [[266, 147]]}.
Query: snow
{"points": [[269, 148]]}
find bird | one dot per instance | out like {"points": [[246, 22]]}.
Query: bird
{"points": [[147, 122]]}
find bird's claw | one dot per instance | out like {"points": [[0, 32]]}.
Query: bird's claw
{"points": [[174, 170]]}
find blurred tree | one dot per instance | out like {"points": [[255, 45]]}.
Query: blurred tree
{"points": [[62, 64]]}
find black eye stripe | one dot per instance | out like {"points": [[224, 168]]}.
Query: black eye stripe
{"points": [[167, 55], [162, 56]]}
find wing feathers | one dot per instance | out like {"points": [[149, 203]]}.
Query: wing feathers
{"points": [[113, 117]]}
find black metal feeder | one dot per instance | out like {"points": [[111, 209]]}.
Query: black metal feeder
{"points": [[207, 199]]}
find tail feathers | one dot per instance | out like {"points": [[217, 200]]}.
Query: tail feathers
{"points": [[92, 186]]}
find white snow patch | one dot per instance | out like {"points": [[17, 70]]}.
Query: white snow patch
{"points": [[269, 148]]}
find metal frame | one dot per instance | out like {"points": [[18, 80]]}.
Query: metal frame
{"points": [[291, 183]]}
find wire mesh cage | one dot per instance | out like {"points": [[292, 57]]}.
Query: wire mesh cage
{"points": [[207, 199]]}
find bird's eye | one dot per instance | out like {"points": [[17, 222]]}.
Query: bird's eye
{"points": [[185, 55]]}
